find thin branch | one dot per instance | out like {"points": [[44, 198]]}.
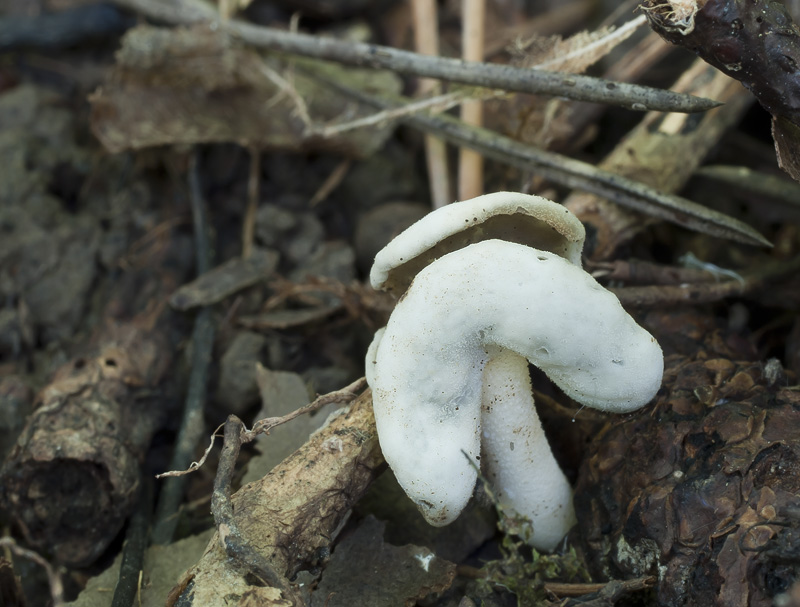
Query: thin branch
{"points": [[198, 464], [568, 171], [332, 181], [440, 103], [491, 75], [192, 424], [253, 191], [633, 271], [235, 544], [345, 395], [560, 589], [133, 550], [289, 90], [699, 293]]}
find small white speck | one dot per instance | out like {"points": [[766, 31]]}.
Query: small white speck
{"points": [[424, 559], [333, 445]]}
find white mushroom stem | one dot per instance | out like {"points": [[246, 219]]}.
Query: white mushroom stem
{"points": [[517, 459]]}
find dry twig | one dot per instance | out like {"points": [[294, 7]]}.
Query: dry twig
{"points": [[253, 189], [235, 544], [707, 292], [192, 423], [290, 516], [263, 426]]}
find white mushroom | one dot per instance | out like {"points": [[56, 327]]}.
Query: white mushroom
{"points": [[452, 362]]}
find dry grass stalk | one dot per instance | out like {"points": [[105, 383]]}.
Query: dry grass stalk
{"points": [[470, 162], [426, 41]]}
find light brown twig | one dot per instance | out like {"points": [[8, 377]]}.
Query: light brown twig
{"points": [[263, 426]]}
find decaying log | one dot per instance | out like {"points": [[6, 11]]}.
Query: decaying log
{"points": [[291, 516], [701, 488], [72, 478]]}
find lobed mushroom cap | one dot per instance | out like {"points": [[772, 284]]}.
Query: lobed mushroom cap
{"points": [[509, 216], [427, 365]]}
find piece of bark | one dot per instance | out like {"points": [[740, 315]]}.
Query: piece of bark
{"points": [[699, 489], [662, 151], [197, 84], [72, 478], [291, 516]]}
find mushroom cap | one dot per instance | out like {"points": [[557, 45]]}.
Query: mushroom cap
{"points": [[426, 373], [509, 216]]}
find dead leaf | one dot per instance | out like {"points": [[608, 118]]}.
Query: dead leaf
{"points": [[198, 85]]}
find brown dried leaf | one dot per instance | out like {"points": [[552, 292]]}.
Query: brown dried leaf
{"points": [[198, 85], [576, 53]]}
